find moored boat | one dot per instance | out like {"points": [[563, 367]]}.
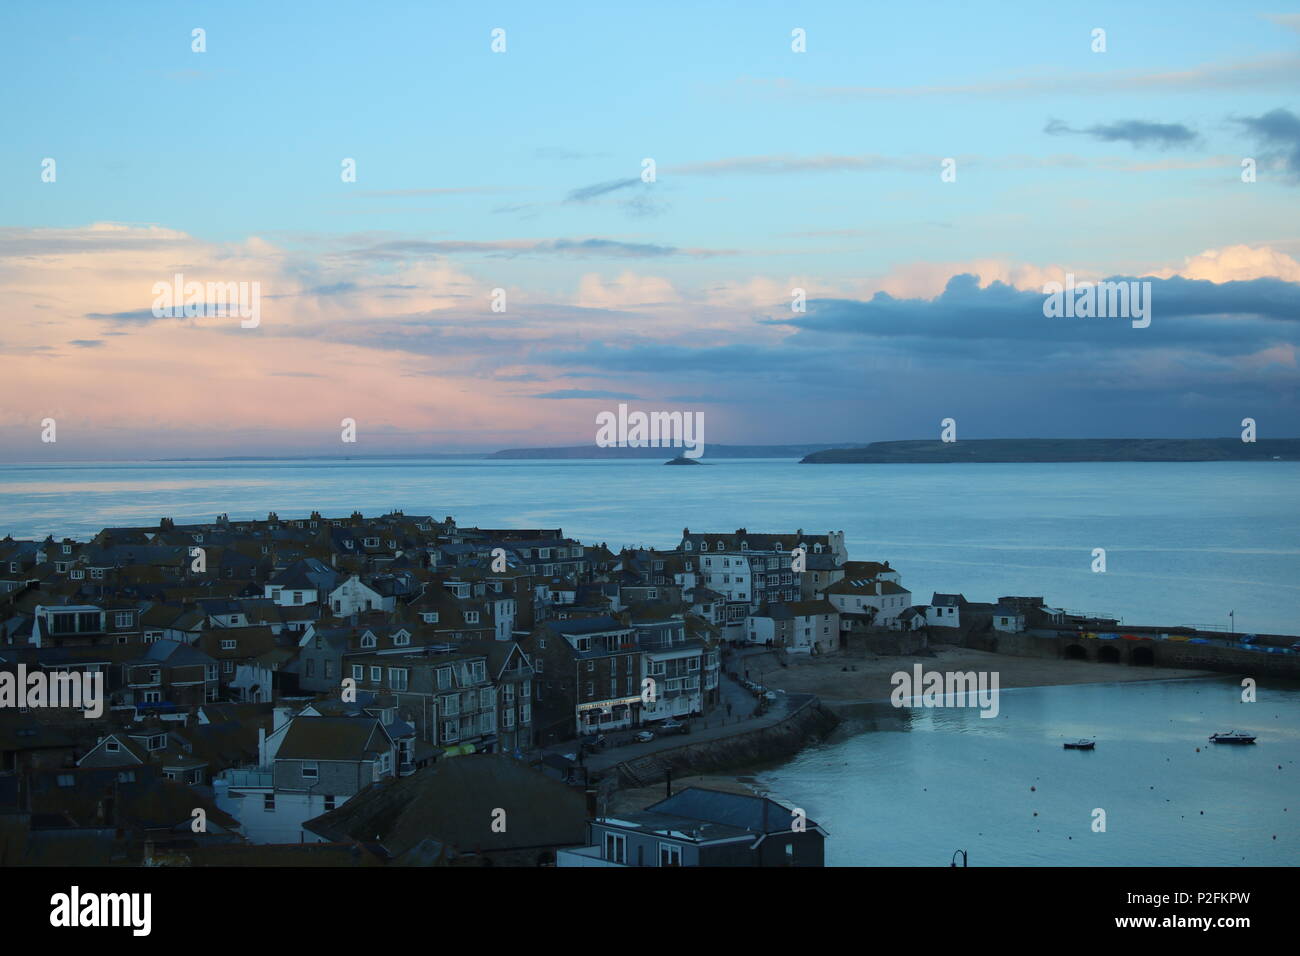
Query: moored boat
{"points": [[1080, 744], [1232, 738]]}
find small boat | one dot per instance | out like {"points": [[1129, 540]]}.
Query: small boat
{"points": [[1232, 738], [1080, 744]]}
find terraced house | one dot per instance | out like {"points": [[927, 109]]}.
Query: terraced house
{"points": [[444, 692]]}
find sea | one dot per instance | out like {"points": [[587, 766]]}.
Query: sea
{"points": [[1213, 545]]}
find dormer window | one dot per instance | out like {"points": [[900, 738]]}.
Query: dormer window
{"points": [[688, 546], [67, 549], [198, 539], [744, 546], [429, 617], [368, 640], [372, 542], [704, 546], [471, 617], [720, 546], [401, 639]]}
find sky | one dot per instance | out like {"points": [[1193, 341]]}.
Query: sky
{"points": [[503, 267]]}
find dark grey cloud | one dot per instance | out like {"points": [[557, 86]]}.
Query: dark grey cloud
{"points": [[1278, 131], [403, 249], [135, 315], [1134, 132], [587, 393], [87, 343], [642, 204], [584, 193], [1186, 313]]}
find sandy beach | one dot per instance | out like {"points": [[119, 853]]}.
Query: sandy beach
{"points": [[868, 676]]}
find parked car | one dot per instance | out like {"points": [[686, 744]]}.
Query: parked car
{"points": [[674, 726], [1247, 639], [644, 736]]}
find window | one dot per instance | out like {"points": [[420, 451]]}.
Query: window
{"points": [[112, 746], [444, 678], [429, 617], [227, 644], [329, 802], [126, 776], [368, 640], [471, 617], [397, 678], [228, 667], [376, 674], [615, 847], [358, 672], [268, 802], [591, 665], [401, 639], [310, 769], [65, 780], [670, 854], [77, 575]]}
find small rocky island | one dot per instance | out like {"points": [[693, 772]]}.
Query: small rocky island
{"points": [[683, 460]]}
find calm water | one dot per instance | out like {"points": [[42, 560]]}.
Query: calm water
{"points": [[923, 783], [1185, 543]]}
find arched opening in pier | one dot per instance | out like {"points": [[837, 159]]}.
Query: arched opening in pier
{"points": [[1143, 657], [1108, 655], [1075, 652]]}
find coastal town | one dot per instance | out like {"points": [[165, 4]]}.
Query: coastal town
{"points": [[401, 690]]}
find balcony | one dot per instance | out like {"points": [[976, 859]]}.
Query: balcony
{"points": [[252, 778], [583, 856]]}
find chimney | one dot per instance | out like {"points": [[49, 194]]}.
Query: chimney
{"points": [[593, 810]]}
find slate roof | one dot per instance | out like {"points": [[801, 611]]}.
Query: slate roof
{"points": [[754, 813], [332, 738]]}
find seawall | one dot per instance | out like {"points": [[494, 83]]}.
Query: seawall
{"points": [[807, 722], [1145, 653]]}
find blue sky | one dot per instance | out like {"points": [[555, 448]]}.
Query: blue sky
{"points": [[478, 170]]}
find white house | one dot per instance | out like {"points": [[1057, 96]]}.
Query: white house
{"points": [[944, 610], [354, 596]]}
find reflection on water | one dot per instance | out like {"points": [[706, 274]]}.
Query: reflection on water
{"points": [[908, 788]]}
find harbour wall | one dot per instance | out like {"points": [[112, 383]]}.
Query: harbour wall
{"points": [[1144, 653], [807, 721]]}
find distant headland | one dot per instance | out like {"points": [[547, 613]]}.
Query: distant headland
{"points": [[1061, 450]]}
